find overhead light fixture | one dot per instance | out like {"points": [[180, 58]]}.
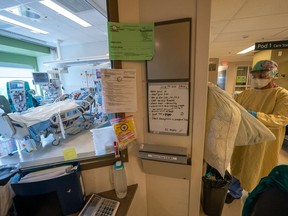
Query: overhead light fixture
{"points": [[64, 12], [15, 22], [247, 50], [24, 11]]}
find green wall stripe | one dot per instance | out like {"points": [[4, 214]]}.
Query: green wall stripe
{"points": [[23, 45], [19, 59]]}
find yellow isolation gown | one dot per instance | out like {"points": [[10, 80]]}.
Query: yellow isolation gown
{"points": [[252, 162]]}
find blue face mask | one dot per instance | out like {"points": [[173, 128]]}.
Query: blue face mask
{"points": [[260, 83]]}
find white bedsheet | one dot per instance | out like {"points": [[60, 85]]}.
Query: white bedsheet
{"points": [[43, 113]]}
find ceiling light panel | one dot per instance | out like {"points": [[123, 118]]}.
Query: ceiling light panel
{"points": [[23, 25], [24, 11], [249, 49], [76, 6], [64, 12]]}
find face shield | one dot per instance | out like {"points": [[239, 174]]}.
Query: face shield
{"points": [[265, 69], [272, 74], [263, 73]]}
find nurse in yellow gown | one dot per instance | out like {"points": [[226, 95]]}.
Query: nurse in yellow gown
{"points": [[269, 104]]}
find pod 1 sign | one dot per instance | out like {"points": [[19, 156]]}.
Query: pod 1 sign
{"points": [[271, 45]]}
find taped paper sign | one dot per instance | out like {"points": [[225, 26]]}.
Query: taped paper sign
{"points": [[125, 130]]}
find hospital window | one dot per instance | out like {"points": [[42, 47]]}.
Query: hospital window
{"points": [[69, 87], [8, 74]]}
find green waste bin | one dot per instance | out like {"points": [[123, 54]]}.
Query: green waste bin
{"points": [[215, 189]]}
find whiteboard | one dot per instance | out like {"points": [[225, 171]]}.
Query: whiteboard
{"points": [[168, 107], [172, 56]]}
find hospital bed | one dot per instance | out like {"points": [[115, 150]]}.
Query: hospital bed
{"points": [[59, 119]]}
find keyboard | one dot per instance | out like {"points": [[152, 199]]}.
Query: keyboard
{"points": [[100, 206]]}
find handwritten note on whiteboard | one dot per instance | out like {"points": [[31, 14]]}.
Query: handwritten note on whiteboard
{"points": [[168, 107]]}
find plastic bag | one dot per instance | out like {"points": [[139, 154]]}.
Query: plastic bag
{"points": [[251, 130], [222, 123], [228, 124], [214, 179]]}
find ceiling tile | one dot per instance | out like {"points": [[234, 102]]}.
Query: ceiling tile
{"points": [[257, 23], [218, 26], [225, 9], [256, 8]]}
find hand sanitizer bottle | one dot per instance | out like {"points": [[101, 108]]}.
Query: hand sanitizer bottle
{"points": [[119, 178]]}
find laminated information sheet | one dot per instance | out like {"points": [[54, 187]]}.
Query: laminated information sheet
{"points": [[119, 90], [131, 41]]}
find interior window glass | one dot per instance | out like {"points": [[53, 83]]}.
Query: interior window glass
{"points": [[21, 150], [74, 79]]}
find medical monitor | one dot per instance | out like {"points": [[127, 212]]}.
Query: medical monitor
{"points": [[17, 85], [40, 78]]}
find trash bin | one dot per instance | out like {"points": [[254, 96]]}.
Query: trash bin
{"points": [[215, 189]]}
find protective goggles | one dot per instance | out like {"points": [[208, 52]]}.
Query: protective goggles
{"points": [[264, 74]]}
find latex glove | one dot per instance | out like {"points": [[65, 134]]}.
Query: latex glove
{"points": [[253, 113]]}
